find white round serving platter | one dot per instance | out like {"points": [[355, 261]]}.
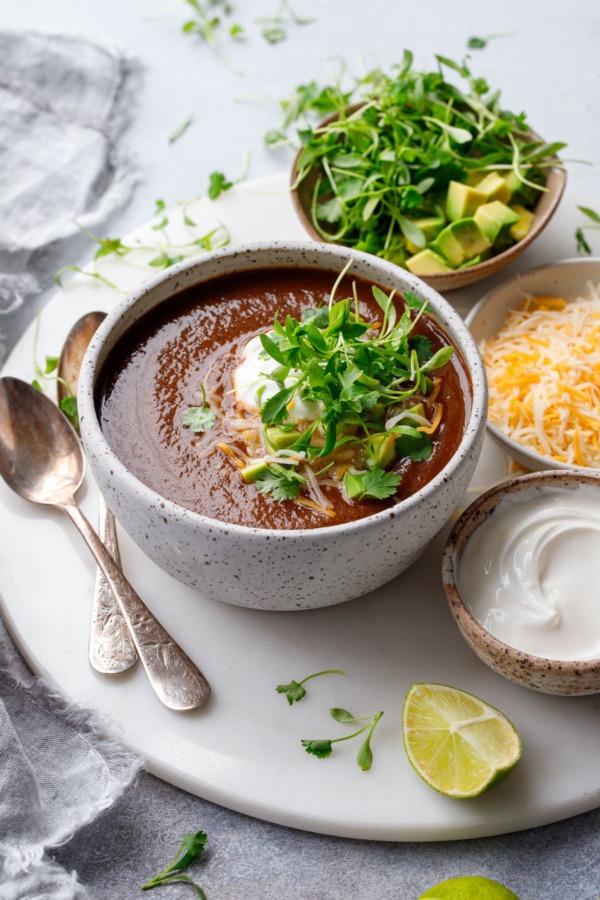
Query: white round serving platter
{"points": [[242, 749]]}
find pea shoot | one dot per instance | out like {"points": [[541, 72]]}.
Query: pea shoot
{"points": [[294, 691], [324, 748]]}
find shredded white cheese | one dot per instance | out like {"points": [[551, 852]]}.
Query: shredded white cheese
{"points": [[543, 369]]}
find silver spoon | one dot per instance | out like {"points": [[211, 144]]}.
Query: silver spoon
{"points": [[111, 647], [42, 460]]}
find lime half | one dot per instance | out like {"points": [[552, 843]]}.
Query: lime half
{"points": [[458, 744], [472, 887]]}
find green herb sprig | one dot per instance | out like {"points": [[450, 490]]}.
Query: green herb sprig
{"points": [[294, 691], [192, 847], [324, 748], [582, 243]]}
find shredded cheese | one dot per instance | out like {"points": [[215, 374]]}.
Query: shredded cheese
{"points": [[543, 369]]}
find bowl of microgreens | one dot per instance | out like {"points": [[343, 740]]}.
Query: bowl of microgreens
{"points": [[426, 170], [283, 426]]}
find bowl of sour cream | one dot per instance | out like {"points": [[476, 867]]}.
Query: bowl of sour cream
{"points": [[521, 572]]}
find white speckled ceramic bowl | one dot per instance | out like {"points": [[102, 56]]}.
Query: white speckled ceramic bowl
{"points": [[569, 279], [549, 676], [278, 570]]}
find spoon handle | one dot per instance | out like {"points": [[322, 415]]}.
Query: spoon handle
{"points": [[112, 649], [177, 682]]}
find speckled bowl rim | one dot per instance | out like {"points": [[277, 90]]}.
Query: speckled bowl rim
{"points": [[472, 431], [481, 270], [540, 461], [466, 525]]}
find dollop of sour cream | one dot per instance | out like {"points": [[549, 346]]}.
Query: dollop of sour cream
{"points": [[530, 574], [251, 376]]}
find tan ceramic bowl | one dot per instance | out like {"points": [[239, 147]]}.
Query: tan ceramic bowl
{"points": [[549, 676], [568, 278], [545, 209]]}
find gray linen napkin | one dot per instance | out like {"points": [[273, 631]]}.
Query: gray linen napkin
{"points": [[63, 103], [58, 771]]}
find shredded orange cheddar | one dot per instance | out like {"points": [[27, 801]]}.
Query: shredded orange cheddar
{"points": [[543, 369]]}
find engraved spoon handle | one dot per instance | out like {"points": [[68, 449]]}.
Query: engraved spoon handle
{"points": [[111, 649], [177, 682]]}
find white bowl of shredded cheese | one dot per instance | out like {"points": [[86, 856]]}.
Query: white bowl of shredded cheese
{"points": [[539, 336]]}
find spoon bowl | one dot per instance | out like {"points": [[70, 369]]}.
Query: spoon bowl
{"points": [[40, 455]]}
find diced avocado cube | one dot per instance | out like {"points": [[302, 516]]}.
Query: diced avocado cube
{"points": [[495, 188], [278, 439], [251, 472], [429, 227], [474, 177], [512, 181], [462, 200], [521, 228], [382, 450], [427, 263], [354, 485], [492, 217], [461, 241]]}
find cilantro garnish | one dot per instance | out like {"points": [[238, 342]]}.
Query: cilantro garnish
{"points": [[199, 418], [191, 849], [294, 691], [372, 483], [323, 748], [280, 482]]}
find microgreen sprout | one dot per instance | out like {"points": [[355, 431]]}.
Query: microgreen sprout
{"points": [[479, 43], [208, 26], [294, 691], [273, 30], [582, 243], [191, 849], [181, 130], [324, 748]]}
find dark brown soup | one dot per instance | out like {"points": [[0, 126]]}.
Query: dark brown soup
{"points": [[155, 372]]}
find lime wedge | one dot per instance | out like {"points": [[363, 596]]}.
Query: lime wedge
{"points": [[458, 744], [471, 887]]}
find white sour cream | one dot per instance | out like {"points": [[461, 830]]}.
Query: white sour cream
{"points": [[249, 377], [530, 574]]}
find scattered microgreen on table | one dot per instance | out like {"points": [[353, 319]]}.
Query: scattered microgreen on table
{"points": [[582, 243], [324, 748], [273, 28], [181, 130], [294, 691], [190, 850], [480, 43]]}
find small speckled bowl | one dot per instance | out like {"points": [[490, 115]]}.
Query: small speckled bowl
{"points": [[256, 567], [549, 676], [568, 278]]}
